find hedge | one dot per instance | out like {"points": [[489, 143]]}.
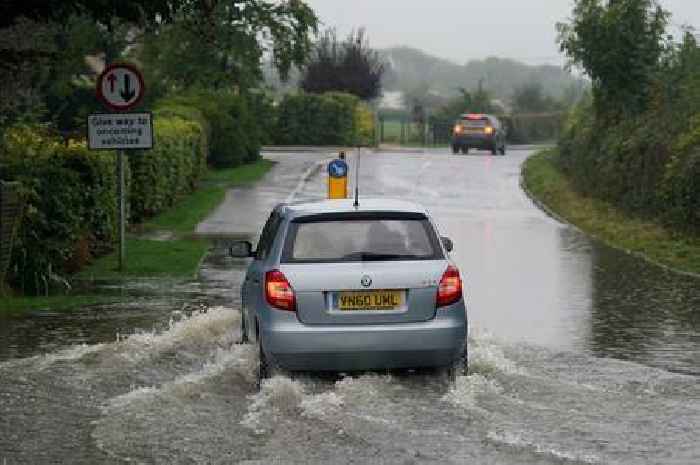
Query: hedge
{"points": [[70, 196], [70, 213], [233, 129], [332, 118], [649, 166], [70, 207], [172, 169]]}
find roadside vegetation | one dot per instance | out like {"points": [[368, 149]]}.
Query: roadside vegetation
{"points": [[601, 219], [211, 117], [627, 164]]}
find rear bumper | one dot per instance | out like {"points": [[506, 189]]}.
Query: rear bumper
{"points": [[483, 142], [435, 343]]}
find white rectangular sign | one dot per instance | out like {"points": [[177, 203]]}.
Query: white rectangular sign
{"points": [[123, 131]]}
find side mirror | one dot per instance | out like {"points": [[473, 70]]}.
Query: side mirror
{"points": [[447, 243], [242, 249]]}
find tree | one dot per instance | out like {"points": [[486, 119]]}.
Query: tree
{"points": [[619, 45], [351, 66], [43, 45], [103, 11], [530, 98], [477, 101], [217, 43]]}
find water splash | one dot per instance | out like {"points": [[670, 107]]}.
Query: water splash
{"points": [[277, 396], [517, 442], [324, 405], [216, 326], [486, 356], [467, 389]]}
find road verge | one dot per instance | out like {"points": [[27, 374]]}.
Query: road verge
{"points": [[164, 247], [550, 190]]}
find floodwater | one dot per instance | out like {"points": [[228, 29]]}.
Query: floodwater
{"points": [[579, 354]]}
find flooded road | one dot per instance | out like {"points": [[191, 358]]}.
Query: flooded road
{"points": [[580, 354]]}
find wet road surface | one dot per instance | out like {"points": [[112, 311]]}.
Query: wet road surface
{"points": [[579, 353]]}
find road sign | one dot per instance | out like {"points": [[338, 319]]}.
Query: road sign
{"points": [[337, 179], [120, 86], [338, 169], [124, 131]]}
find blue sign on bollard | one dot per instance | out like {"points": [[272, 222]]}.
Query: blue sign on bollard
{"points": [[337, 169]]}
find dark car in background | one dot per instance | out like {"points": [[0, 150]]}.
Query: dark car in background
{"points": [[477, 131]]}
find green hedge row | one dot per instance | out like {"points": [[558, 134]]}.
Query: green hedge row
{"points": [[70, 196], [648, 165], [172, 169], [69, 209], [235, 123], [332, 118]]}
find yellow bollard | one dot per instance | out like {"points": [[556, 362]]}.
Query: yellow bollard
{"points": [[338, 178]]}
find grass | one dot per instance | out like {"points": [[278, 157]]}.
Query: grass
{"points": [[606, 222], [147, 258], [19, 305]]}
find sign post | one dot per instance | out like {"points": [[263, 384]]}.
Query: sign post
{"points": [[120, 87]]}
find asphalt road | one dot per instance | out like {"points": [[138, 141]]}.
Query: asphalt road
{"points": [[579, 353]]}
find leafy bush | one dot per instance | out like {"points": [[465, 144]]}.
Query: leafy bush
{"points": [[170, 170], [327, 119], [70, 206], [234, 137], [70, 192], [364, 124], [680, 187], [648, 164]]}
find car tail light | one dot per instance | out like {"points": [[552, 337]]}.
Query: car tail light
{"points": [[488, 130], [450, 288], [279, 292]]}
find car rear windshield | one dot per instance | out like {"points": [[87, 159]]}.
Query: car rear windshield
{"points": [[358, 238]]}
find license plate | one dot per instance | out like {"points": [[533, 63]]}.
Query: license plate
{"points": [[370, 300]]}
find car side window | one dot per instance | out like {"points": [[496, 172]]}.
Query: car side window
{"points": [[267, 236]]}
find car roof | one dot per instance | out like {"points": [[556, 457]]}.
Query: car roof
{"points": [[299, 209]]}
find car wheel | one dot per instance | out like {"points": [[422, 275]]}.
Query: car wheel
{"points": [[266, 368], [455, 149], [460, 367], [244, 330], [465, 150]]}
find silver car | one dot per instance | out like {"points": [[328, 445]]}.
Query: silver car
{"points": [[334, 287]]}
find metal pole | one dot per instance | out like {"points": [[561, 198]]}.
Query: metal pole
{"points": [[357, 179], [122, 209]]}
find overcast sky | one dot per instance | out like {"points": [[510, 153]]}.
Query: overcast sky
{"points": [[461, 30]]}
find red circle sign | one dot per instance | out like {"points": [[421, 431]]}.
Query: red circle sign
{"points": [[120, 86]]}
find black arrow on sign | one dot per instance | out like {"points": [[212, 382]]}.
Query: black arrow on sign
{"points": [[127, 92]]}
